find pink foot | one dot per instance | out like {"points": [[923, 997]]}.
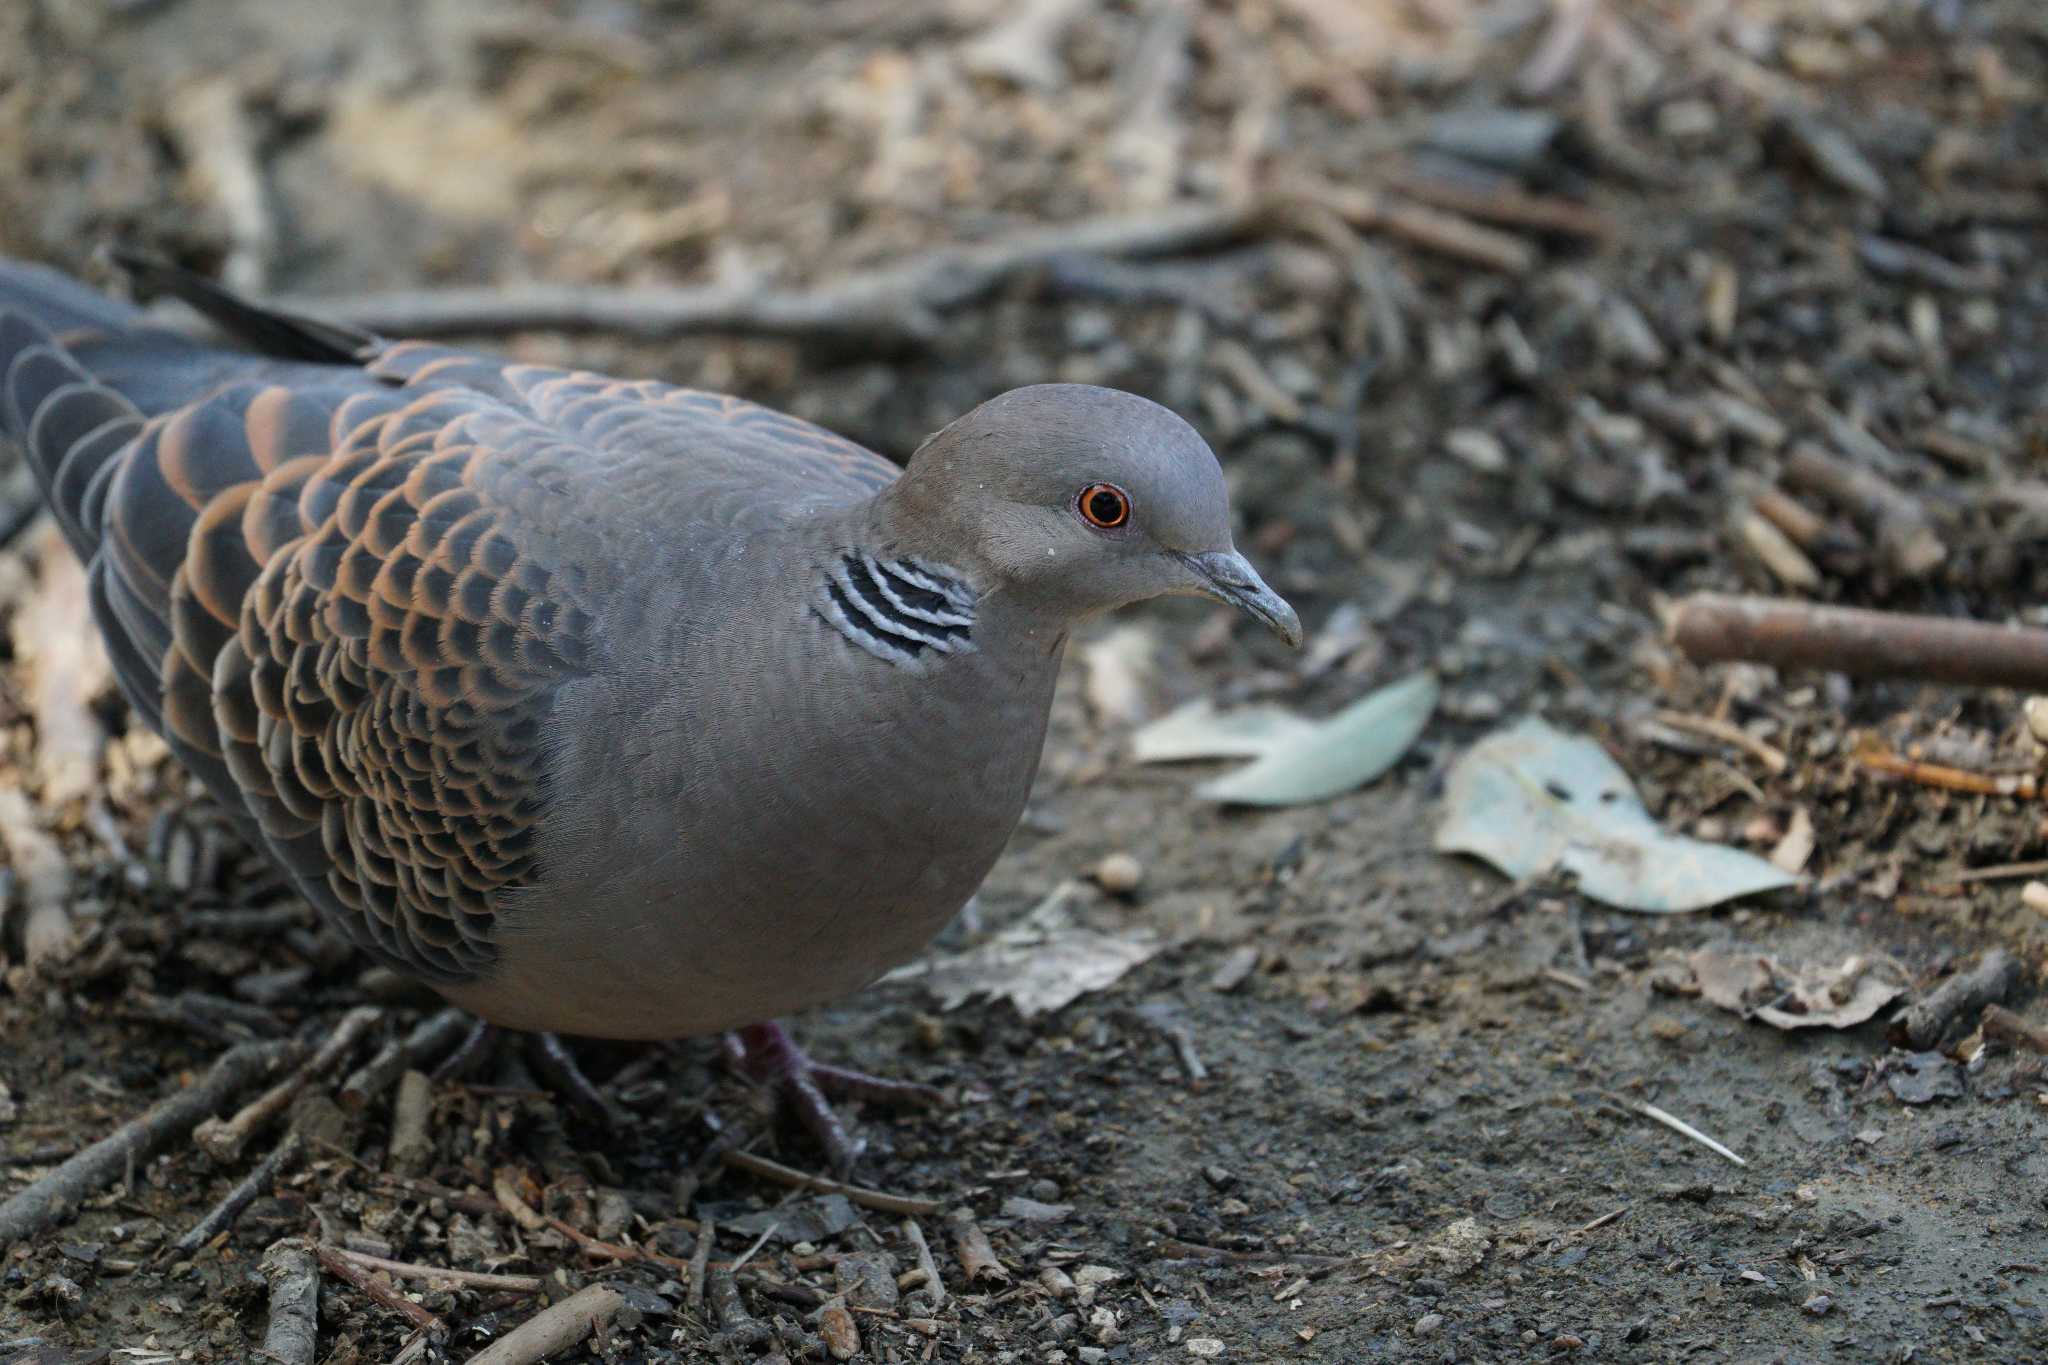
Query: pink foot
{"points": [[764, 1053]]}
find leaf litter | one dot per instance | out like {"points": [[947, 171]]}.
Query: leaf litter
{"points": [[1042, 963], [1532, 800], [1297, 761], [1798, 995]]}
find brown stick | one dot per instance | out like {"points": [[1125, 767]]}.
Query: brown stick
{"points": [[433, 1036], [437, 1274], [555, 1328], [1905, 537], [1711, 628], [2008, 1028], [223, 1139], [379, 1292], [1432, 229], [61, 1191], [1514, 208], [1921, 1024], [223, 1215], [904, 1204]]}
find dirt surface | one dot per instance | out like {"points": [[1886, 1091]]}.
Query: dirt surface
{"points": [[1542, 298]]}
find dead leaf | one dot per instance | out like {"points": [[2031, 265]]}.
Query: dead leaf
{"points": [[1798, 995], [1045, 961], [1533, 800], [1298, 761]]}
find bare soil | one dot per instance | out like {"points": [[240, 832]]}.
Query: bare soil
{"points": [[1412, 1127]]}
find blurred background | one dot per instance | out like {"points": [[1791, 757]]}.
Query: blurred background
{"points": [[1509, 319]]}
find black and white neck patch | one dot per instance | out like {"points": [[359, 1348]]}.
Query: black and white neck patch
{"points": [[902, 611]]}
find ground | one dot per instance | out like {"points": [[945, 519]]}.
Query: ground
{"points": [[1539, 304]]}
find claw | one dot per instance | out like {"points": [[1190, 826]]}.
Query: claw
{"points": [[765, 1053]]}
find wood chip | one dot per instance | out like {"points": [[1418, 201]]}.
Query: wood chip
{"points": [[971, 1245]]}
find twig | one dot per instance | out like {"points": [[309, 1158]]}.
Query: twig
{"points": [[1804, 526], [755, 1250], [1920, 1025], [293, 1336], [1604, 1219], [736, 1324], [1728, 733], [437, 1274], [1433, 229], [700, 1258], [2001, 872], [1905, 537], [555, 1328], [1684, 1129], [433, 1036], [223, 1140], [897, 306], [61, 1191], [339, 1266], [223, 1215], [1779, 552], [1514, 208], [935, 1288], [906, 1205], [599, 1249], [1711, 628], [1873, 754], [2008, 1028]]}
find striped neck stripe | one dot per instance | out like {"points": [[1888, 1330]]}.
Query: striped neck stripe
{"points": [[899, 610]]}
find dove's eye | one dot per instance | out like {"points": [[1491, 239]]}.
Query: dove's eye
{"points": [[1104, 505]]}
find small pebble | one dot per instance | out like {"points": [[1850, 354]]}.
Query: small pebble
{"points": [[1818, 1305], [1119, 874], [1428, 1323], [1206, 1348]]}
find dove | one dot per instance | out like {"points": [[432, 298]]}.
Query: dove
{"points": [[603, 707]]}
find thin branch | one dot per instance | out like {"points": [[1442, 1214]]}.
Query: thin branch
{"points": [[376, 1290], [897, 306], [59, 1193], [902, 1204]]}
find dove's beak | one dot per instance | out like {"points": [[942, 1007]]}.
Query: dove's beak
{"points": [[1229, 577]]}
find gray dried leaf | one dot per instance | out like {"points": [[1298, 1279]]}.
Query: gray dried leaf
{"points": [[1532, 800]]}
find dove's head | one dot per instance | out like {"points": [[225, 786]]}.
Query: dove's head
{"points": [[1083, 499]]}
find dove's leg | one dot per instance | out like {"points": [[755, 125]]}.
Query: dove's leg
{"points": [[550, 1056], [765, 1053]]}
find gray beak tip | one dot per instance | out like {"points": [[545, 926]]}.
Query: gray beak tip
{"points": [[1229, 577]]}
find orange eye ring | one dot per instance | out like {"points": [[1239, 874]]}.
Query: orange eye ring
{"points": [[1103, 506]]}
